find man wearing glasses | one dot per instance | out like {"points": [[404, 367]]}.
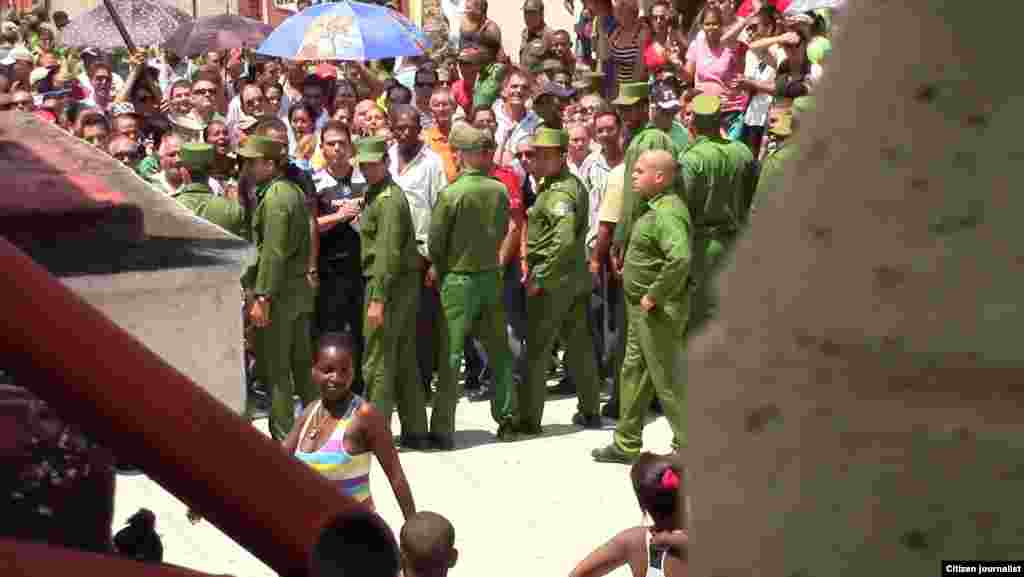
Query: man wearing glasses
{"points": [[423, 86]]}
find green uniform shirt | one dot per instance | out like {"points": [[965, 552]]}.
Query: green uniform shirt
{"points": [[280, 233], [387, 239], [468, 223], [148, 168], [221, 211], [717, 174], [772, 169], [658, 260], [556, 233], [650, 138]]}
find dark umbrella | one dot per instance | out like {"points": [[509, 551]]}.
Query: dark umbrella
{"points": [[148, 22], [221, 32]]}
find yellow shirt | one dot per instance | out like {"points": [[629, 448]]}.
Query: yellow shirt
{"points": [[611, 204]]}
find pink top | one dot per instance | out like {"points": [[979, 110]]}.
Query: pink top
{"points": [[715, 70]]}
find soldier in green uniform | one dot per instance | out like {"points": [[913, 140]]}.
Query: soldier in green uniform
{"points": [[391, 265], [467, 227], [773, 165], [282, 296], [654, 277], [558, 284], [199, 198], [718, 176], [633, 104]]}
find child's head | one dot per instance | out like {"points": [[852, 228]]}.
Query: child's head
{"points": [[332, 369], [428, 545], [653, 172], [658, 483]]}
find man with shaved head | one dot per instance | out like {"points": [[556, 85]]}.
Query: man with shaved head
{"points": [[655, 272]]}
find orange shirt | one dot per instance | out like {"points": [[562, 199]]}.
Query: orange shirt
{"points": [[438, 142]]}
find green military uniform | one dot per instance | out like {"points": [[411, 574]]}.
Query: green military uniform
{"points": [[656, 264], [467, 226], [543, 34], [556, 256], [280, 233], [718, 176], [391, 265], [649, 138], [773, 165], [199, 198]]}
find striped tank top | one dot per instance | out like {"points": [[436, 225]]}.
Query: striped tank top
{"points": [[350, 472], [624, 54]]}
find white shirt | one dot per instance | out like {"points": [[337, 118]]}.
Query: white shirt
{"points": [[510, 134], [422, 181], [595, 171], [764, 71]]}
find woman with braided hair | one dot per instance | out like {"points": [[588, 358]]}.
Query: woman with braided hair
{"points": [[655, 550]]}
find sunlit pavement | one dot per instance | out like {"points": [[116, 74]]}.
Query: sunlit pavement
{"points": [[531, 507]]}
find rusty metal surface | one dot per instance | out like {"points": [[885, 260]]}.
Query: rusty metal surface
{"points": [[130, 400], [21, 559]]}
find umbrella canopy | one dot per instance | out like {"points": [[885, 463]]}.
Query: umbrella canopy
{"points": [[149, 22], [345, 31], [798, 6], [221, 32]]}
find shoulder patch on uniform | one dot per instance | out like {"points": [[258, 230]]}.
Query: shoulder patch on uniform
{"points": [[563, 208]]}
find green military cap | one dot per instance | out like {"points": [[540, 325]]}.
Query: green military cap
{"points": [[706, 105], [550, 138], [371, 149], [533, 6], [781, 125], [263, 147], [803, 105], [197, 156], [632, 92], [465, 137]]}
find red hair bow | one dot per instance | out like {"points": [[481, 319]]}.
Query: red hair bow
{"points": [[669, 480]]}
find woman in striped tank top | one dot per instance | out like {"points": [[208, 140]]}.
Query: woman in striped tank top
{"points": [[338, 434], [627, 42]]}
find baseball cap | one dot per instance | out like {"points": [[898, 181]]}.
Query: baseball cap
{"points": [[555, 89], [123, 109], [666, 98]]}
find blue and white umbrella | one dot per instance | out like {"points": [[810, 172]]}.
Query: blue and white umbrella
{"points": [[345, 31]]}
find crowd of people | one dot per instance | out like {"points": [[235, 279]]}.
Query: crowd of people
{"points": [[465, 220]]}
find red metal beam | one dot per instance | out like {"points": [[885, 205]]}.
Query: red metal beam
{"points": [[22, 559], [126, 397]]}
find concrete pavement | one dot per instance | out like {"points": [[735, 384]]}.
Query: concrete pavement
{"points": [[533, 507]]}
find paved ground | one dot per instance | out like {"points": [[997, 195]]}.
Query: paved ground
{"points": [[545, 498]]}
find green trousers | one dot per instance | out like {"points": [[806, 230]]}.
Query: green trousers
{"points": [[446, 392], [550, 316], [473, 304], [285, 359], [655, 361], [389, 359]]}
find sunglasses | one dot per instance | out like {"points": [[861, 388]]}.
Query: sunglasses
{"points": [[205, 91]]}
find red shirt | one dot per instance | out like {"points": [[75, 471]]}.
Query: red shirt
{"points": [[515, 193], [463, 95]]}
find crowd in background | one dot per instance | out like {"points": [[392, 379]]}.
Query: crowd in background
{"points": [[466, 220]]}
